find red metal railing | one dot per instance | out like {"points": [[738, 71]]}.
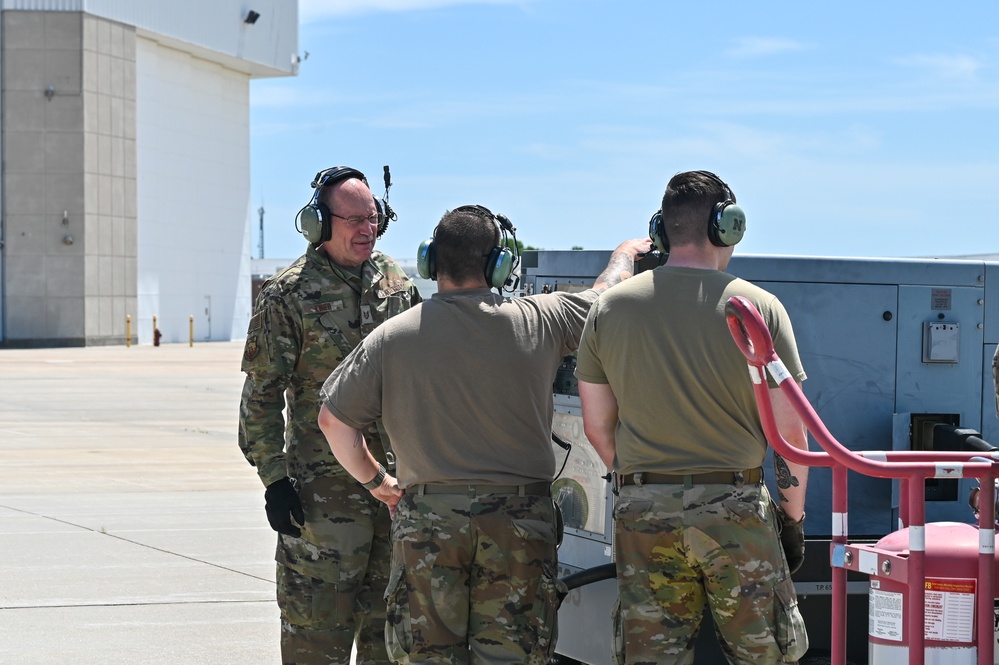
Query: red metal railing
{"points": [[911, 468]]}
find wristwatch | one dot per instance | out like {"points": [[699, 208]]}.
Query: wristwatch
{"points": [[375, 482]]}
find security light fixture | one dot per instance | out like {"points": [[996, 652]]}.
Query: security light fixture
{"points": [[251, 17]]}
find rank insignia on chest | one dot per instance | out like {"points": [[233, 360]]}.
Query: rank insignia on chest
{"points": [[324, 307], [366, 319]]}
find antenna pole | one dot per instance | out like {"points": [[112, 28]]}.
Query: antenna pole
{"points": [[261, 212]]}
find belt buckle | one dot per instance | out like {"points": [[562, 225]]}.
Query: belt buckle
{"points": [[740, 478], [637, 479]]}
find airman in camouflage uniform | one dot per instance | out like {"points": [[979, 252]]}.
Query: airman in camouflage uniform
{"points": [[668, 404], [330, 578], [463, 384]]}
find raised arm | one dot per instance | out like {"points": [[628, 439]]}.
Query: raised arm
{"points": [[622, 263]]}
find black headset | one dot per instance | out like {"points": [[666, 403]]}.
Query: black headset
{"points": [[501, 264], [726, 226], [315, 220]]}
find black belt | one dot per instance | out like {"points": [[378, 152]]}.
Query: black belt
{"points": [[750, 476], [541, 488]]}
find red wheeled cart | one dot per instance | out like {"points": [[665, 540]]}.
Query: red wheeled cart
{"points": [[928, 604]]}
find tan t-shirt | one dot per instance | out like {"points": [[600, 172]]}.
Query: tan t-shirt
{"points": [[685, 398], [463, 384]]}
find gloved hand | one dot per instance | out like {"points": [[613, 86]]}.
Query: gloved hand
{"points": [[283, 505], [792, 538]]}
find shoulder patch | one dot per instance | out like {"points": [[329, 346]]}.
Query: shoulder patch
{"points": [[254, 324], [251, 350]]}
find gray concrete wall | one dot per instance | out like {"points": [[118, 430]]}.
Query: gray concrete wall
{"points": [[69, 179]]}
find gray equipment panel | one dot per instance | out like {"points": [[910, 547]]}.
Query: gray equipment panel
{"points": [[886, 345]]}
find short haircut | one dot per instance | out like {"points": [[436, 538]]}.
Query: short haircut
{"points": [[686, 208], [463, 240]]}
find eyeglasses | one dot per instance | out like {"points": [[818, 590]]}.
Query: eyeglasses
{"points": [[357, 220]]}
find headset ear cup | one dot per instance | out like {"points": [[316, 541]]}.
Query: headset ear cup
{"points": [[499, 267], [385, 215], [728, 224], [325, 221], [311, 225], [426, 260], [657, 234]]}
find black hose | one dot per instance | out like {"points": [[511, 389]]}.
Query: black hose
{"points": [[952, 437], [590, 576]]}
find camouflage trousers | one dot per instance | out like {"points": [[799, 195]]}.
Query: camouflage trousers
{"points": [[331, 582], [679, 550], [473, 580]]}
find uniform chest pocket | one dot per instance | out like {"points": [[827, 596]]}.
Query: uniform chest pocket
{"points": [[332, 324], [325, 342]]}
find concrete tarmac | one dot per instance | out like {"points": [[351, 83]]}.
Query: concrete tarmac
{"points": [[131, 528]]}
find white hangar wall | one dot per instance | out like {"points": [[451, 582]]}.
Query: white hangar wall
{"points": [[193, 158]]}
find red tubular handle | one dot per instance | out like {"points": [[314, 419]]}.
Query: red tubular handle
{"points": [[749, 331], [753, 338]]}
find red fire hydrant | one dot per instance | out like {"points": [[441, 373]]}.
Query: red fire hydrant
{"points": [[156, 336]]}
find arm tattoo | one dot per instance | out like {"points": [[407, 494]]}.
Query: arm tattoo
{"points": [[358, 439], [785, 478], [618, 269]]}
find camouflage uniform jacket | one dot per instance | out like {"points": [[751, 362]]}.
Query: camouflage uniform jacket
{"points": [[306, 320]]}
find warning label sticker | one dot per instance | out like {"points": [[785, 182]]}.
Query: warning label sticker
{"points": [[950, 609], [884, 615]]}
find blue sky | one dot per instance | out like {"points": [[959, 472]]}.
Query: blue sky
{"points": [[845, 129]]}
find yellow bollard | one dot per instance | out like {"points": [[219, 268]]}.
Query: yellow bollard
{"points": [[154, 326], [128, 330], [191, 343]]}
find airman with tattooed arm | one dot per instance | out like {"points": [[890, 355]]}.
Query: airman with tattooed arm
{"points": [[668, 404]]}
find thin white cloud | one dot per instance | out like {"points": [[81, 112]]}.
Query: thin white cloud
{"points": [[755, 47], [310, 11], [281, 95], [953, 67]]}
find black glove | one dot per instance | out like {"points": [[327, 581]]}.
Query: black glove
{"points": [[792, 538], [283, 505]]}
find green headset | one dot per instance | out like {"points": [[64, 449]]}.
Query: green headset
{"points": [[726, 226], [501, 263], [315, 220]]}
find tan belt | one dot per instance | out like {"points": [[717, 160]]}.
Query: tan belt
{"points": [[540, 488], [750, 476]]}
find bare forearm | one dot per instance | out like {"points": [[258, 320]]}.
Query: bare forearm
{"points": [[622, 263], [600, 419], [605, 445], [792, 478], [352, 452], [348, 446]]}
